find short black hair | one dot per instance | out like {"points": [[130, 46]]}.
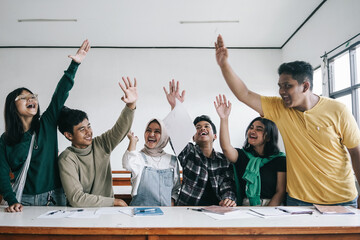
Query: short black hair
{"points": [[299, 70], [69, 118], [207, 119]]}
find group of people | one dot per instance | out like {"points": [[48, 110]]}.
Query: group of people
{"points": [[318, 134]]}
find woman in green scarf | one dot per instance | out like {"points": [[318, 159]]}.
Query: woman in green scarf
{"points": [[259, 167]]}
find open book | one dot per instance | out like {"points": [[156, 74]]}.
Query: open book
{"points": [[327, 209]]}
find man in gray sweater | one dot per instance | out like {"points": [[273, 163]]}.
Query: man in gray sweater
{"points": [[85, 169]]}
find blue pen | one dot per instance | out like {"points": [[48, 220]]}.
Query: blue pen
{"points": [[147, 210]]}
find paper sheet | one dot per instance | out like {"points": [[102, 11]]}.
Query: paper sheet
{"points": [[84, 214], [69, 214], [269, 212], [231, 215], [179, 127], [108, 210]]}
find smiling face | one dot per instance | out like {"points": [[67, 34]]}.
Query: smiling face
{"points": [[204, 133], [292, 93], [81, 136], [256, 135], [152, 134], [26, 104]]}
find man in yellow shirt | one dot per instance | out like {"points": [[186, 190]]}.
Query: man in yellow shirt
{"points": [[316, 133]]}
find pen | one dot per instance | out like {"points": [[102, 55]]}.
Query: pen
{"points": [[52, 213], [148, 210], [77, 210], [196, 209]]}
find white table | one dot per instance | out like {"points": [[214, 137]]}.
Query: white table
{"points": [[176, 223]]}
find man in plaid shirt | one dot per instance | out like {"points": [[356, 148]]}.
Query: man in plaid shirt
{"points": [[207, 176]]}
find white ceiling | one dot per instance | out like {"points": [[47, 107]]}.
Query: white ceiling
{"points": [[155, 23]]}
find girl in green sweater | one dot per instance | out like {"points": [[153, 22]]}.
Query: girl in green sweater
{"points": [[27, 132]]}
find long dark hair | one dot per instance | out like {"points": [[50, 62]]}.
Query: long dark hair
{"points": [[271, 137], [13, 126]]}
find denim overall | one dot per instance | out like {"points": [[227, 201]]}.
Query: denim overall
{"points": [[155, 186]]}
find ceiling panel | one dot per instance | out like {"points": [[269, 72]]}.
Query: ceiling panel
{"points": [[153, 23]]}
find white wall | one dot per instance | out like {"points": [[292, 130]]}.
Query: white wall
{"points": [[334, 23], [96, 90]]}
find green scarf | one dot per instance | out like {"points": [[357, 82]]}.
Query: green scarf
{"points": [[252, 177]]}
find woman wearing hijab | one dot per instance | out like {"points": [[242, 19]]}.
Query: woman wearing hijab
{"points": [[155, 174]]}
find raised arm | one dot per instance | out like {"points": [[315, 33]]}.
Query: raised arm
{"points": [[111, 138], [65, 84], [223, 108], [237, 86], [174, 93], [132, 141]]}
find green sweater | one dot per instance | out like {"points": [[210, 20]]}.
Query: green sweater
{"points": [[43, 173], [86, 173]]}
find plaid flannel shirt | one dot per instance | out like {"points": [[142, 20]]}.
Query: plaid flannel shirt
{"points": [[198, 169]]}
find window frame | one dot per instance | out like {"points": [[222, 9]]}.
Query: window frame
{"points": [[353, 89]]}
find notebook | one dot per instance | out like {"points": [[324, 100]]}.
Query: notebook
{"points": [[218, 209], [147, 211], [326, 209]]}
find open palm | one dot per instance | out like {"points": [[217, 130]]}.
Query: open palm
{"points": [[174, 93], [222, 107], [221, 51], [130, 90], [81, 52]]}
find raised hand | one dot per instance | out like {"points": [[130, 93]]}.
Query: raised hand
{"points": [[221, 51], [132, 136], [174, 93], [81, 52], [132, 141], [130, 92], [222, 107]]}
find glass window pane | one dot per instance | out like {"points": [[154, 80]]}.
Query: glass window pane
{"points": [[346, 100], [357, 106], [317, 82], [342, 72], [357, 79]]}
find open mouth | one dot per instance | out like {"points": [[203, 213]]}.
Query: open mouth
{"points": [[30, 106], [285, 98], [150, 140], [204, 134], [253, 137]]}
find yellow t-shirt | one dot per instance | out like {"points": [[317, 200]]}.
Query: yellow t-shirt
{"points": [[319, 168]]}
